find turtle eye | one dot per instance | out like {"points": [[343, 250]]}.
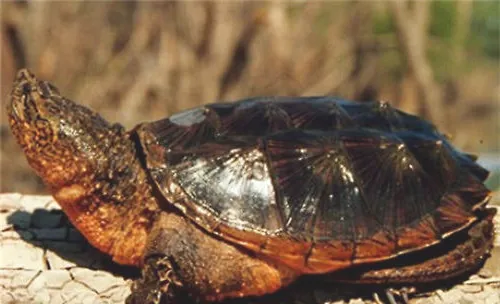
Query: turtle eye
{"points": [[26, 88], [46, 89]]}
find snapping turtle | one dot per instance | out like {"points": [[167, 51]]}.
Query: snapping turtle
{"points": [[240, 199]]}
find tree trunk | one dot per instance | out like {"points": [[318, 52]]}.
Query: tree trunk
{"points": [[411, 26]]}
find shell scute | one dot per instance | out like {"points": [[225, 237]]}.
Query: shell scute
{"points": [[391, 179], [319, 195], [318, 113], [379, 245], [253, 117], [186, 129], [421, 232]]}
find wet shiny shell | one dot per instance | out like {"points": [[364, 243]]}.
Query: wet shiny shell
{"points": [[317, 183]]}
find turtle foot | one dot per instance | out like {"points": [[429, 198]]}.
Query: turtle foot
{"points": [[157, 284]]}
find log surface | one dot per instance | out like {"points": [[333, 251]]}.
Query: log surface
{"points": [[43, 259]]}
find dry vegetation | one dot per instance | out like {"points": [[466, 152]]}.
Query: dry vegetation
{"points": [[142, 61]]}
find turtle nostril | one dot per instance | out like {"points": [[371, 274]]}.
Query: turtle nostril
{"points": [[24, 74]]}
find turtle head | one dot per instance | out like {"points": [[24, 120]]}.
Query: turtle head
{"points": [[59, 137], [90, 166]]}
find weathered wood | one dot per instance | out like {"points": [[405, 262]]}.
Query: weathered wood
{"points": [[45, 260]]}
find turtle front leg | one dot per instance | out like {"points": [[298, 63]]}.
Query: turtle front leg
{"points": [[158, 284], [185, 264]]}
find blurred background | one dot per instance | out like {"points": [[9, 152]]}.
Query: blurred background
{"points": [[141, 61]]}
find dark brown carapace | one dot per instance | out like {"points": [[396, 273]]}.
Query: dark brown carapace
{"points": [[89, 165], [239, 199]]}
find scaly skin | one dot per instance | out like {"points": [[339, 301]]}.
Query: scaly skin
{"points": [[89, 165]]}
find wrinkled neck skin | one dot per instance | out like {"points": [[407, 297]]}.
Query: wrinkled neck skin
{"points": [[111, 201], [89, 165]]}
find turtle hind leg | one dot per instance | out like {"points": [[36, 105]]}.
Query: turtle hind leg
{"points": [[457, 256]]}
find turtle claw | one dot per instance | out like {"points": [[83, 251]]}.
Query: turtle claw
{"points": [[391, 298], [157, 284], [401, 293], [376, 298]]}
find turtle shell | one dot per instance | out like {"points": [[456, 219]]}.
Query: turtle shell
{"points": [[318, 183]]}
